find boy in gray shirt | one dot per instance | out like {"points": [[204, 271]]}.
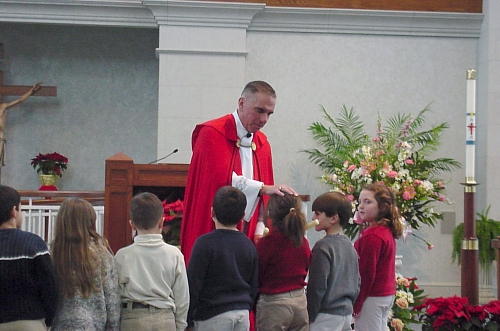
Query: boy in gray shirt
{"points": [[334, 273]]}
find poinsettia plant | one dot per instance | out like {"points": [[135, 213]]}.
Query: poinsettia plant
{"points": [[456, 314], [172, 217], [403, 312], [50, 164], [397, 156]]}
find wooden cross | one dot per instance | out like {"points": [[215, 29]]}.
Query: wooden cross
{"points": [[16, 90], [13, 90]]}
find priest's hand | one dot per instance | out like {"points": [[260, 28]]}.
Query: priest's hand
{"points": [[277, 189]]}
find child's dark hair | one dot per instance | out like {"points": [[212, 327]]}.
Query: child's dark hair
{"points": [[332, 203], [388, 214], [285, 212], [229, 205], [146, 210], [9, 198]]}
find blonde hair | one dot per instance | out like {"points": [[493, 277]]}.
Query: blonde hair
{"points": [[75, 262]]}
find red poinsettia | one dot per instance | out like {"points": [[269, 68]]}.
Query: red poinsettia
{"points": [[50, 164], [172, 210], [455, 313]]}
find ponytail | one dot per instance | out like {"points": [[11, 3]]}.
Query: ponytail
{"points": [[285, 212]]}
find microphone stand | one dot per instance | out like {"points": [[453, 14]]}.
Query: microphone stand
{"points": [[163, 158]]}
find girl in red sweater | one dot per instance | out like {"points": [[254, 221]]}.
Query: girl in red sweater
{"points": [[376, 248], [284, 257]]}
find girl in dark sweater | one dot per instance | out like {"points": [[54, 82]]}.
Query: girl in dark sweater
{"points": [[284, 257]]}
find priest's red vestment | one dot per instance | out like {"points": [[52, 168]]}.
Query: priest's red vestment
{"points": [[215, 157]]}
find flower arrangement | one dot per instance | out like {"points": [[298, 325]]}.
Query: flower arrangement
{"points": [[403, 312], [396, 156], [50, 164], [172, 221], [455, 313]]}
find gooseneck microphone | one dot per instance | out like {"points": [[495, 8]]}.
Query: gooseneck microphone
{"points": [[163, 158]]}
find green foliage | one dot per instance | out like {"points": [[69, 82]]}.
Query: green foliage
{"points": [[398, 156], [486, 230]]}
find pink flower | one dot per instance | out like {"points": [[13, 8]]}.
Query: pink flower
{"points": [[392, 174], [429, 247], [351, 197], [397, 324], [402, 303], [406, 195], [403, 281], [351, 168], [409, 161], [417, 182]]}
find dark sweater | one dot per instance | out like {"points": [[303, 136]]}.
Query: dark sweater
{"points": [[28, 284], [222, 274]]}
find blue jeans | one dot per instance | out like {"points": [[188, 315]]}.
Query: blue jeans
{"points": [[233, 320]]}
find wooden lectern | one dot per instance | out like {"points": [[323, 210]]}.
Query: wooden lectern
{"points": [[123, 180]]}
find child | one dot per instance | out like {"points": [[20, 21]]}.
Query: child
{"points": [[28, 282], [284, 257], [333, 284], [152, 274], [376, 248], [90, 299], [222, 271]]}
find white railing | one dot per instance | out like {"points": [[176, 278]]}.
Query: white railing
{"points": [[40, 213]]}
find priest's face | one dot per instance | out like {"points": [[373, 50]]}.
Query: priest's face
{"points": [[255, 109]]}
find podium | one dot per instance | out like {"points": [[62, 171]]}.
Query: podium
{"points": [[123, 180]]}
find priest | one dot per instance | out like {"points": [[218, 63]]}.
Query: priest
{"points": [[231, 150]]}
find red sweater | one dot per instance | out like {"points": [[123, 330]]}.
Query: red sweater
{"points": [[282, 267], [376, 248]]}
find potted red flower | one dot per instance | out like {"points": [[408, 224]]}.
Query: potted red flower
{"points": [[455, 313], [50, 164], [172, 218]]}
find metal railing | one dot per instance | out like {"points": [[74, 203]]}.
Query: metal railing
{"points": [[40, 210]]}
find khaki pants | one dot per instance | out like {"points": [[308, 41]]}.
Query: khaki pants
{"points": [[147, 319], [24, 325], [284, 311]]}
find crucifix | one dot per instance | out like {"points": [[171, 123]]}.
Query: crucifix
{"points": [[16, 90]]}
